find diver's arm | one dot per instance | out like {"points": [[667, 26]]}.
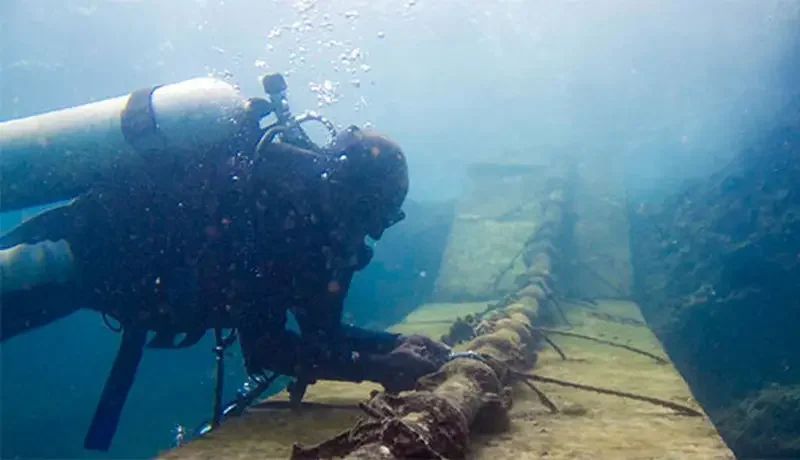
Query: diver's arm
{"points": [[266, 346], [370, 341], [276, 351], [319, 314], [328, 349], [360, 339], [392, 360], [265, 342]]}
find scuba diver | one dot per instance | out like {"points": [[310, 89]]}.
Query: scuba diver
{"points": [[230, 235]]}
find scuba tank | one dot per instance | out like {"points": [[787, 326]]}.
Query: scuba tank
{"points": [[58, 155]]}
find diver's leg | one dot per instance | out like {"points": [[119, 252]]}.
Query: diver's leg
{"points": [[37, 278], [24, 310], [37, 286], [50, 224]]}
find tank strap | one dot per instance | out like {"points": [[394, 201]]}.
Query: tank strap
{"points": [[138, 122]]}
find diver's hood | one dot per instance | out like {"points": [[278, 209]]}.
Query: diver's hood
{"points": [[374, 173]]}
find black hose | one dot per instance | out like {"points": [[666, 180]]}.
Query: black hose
{"points": [[219, 351], [237, 407]]}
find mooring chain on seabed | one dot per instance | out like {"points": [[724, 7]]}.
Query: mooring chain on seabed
{"points": [[471, 391]]}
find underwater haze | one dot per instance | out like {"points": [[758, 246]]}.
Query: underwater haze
{"points": [[664, 91]]}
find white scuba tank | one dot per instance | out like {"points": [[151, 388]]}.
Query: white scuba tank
{"points": [[60, 154]]}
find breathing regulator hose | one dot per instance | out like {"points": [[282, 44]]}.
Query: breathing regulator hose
{"points": [[288, 127]]}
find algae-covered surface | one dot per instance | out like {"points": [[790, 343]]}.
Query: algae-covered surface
{"points": [[477, 254], [497, 214], [601, 240], [590, 426]]}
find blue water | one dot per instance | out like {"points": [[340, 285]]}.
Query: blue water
{"points": [[667, 90]]}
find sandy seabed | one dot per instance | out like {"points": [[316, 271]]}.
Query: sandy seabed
{"points": [[589, 426]]}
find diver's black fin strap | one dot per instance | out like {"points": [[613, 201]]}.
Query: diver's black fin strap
{"points": [[52, 224], [118, 384], [138, 122]]}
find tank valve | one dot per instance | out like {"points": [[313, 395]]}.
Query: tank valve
{"points": [[288, 125]]}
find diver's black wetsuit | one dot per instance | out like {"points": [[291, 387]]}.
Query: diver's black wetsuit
{"points": [[225, 242], [217, 244]]}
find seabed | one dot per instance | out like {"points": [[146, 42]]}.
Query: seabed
{"points": [[589, 425]]}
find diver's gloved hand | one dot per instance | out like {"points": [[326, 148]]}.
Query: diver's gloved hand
{"points": [[414, 356], [393, 360], [425, 346]]}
